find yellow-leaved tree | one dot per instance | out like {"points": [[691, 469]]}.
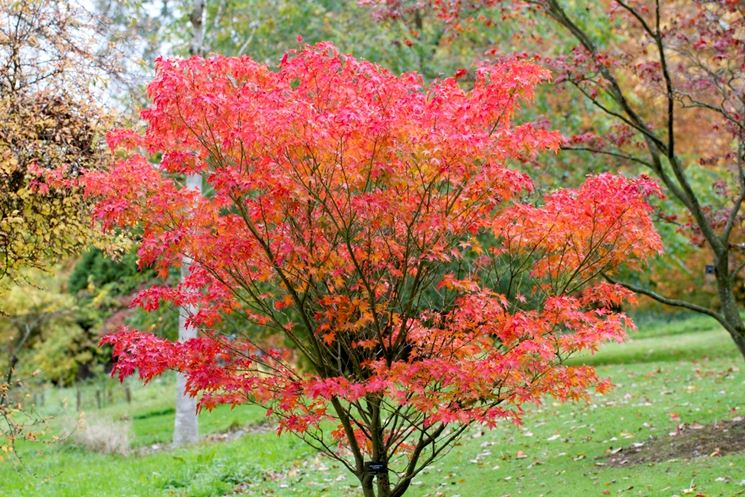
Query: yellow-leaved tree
{"points": [[52, 66]]}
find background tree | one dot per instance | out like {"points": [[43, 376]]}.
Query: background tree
{"points": [[266, 29], [40, 340], [46, 141], [50, 64], [348, 210], [51, 69], [690, 62], [671, 76], [39, 326], [186, 427]]}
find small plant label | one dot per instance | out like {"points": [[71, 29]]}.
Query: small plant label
{"points": [[376, 468]]}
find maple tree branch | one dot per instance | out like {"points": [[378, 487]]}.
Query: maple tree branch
{"points": [[657, 36], [666, 300], [324, 448], [683, 190], [413, 470], [640, 127], [732, 218], [558, 13], [617, 155], [351, 438], [637, 16]]}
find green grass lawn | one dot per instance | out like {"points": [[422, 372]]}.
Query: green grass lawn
{"points": [[692, 339], [687, 371]]}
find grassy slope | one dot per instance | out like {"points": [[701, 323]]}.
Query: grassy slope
{"points": [[656, 382], [692, 339]]}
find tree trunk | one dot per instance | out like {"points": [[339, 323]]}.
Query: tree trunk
{"points": [[186, 426], [730, 310], [197, 26], [13, 361], [375, 485], [367, 486], [738, 335]]}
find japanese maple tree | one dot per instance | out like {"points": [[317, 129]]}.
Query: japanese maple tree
{"points": [[372, 221]]}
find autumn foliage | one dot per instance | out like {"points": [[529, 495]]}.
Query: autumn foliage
{"points": [[666, 81], [379, 225], [50, 130]]}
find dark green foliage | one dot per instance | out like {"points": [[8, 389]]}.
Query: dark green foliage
{"points": [[97, 269]]}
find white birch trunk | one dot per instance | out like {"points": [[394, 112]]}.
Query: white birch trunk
{"points": [[186, 425]]}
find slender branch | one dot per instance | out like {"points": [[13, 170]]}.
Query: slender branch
{"points": [[618, 155], [666, 300]]}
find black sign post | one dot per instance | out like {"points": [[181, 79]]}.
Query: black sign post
{"points": [[374, 468], [709, 276]]}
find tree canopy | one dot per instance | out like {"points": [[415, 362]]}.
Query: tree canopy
{"points": [[350, 211]]}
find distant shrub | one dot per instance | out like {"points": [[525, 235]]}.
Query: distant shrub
{"points": [[96, 268], [103, 435]]}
